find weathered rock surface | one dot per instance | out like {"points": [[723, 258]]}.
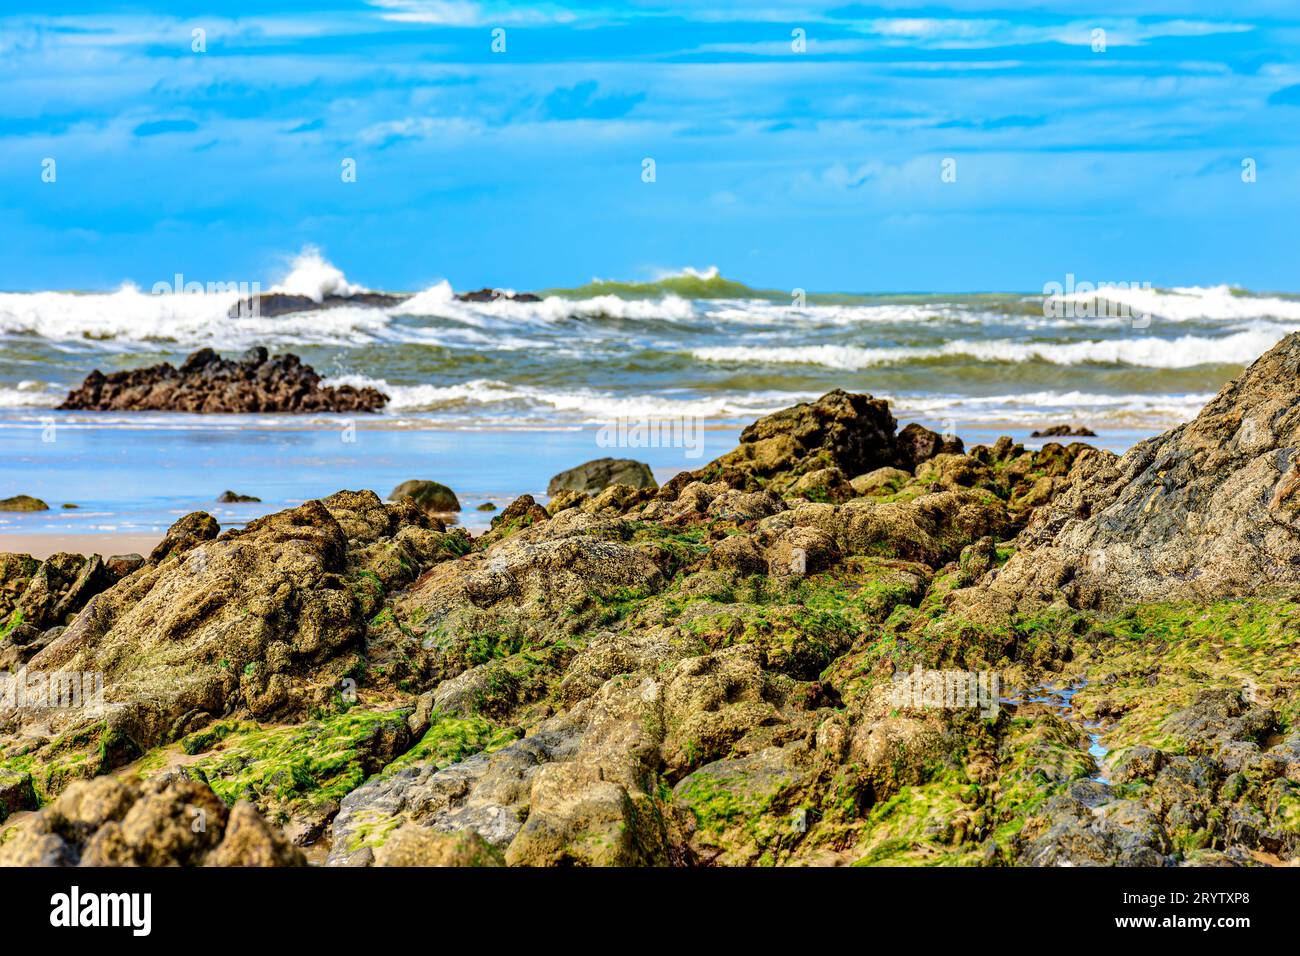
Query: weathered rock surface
{"points": [[266, 620], [595, 476], [854, 433], [186, 533], [1209, 509], [206, 383], [39, 598], [167, 821]]}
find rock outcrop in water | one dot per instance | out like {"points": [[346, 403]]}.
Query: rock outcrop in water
{"points": [[497, 295], [710, 673], [593, 477], [206, 383], [272, 304], [23, 503]]}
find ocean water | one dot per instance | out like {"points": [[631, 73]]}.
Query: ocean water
{"points": [[493, 398]]}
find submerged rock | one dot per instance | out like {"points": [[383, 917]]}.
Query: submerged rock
{"points": [[206, 383], [595, 476]]}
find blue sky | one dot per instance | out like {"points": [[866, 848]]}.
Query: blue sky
{"points": [[818, 169]]}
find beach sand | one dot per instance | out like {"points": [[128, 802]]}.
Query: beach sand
{"points": [[105, 545]]}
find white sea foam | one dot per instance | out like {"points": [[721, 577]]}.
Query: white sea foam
{"points": [[492, 399], [1033, 408], [440, 300], [1238, 348], [29, 395], [117, 320], [1194, 302], [314, 276]]}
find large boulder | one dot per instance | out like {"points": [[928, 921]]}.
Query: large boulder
{"points": [[1209, 509], [186, 533], [207, 383], [852, 433], [594, 476]]}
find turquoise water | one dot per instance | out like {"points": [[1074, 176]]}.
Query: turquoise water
{"points": [[127, 479]]}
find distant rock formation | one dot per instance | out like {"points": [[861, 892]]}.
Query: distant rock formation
{"points": [[206, 383], [271, 304], [1064, 431], [23, 503], [494, 295]]}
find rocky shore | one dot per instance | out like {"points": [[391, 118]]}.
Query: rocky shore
{"points": [[207, 384], [710, 672]]}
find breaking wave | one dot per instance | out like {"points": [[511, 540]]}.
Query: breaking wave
{"points": [[1189, 351]]}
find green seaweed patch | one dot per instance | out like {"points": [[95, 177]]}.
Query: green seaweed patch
{"points": [[745, 816], [927, 824], [314, 763], [450, 739], [1040, 755], [1154, 659]]}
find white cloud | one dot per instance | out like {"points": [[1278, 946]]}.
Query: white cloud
{"points": [[465, 13], [956, 33]]}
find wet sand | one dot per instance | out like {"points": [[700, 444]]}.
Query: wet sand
{"points": [[105, 545]]}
